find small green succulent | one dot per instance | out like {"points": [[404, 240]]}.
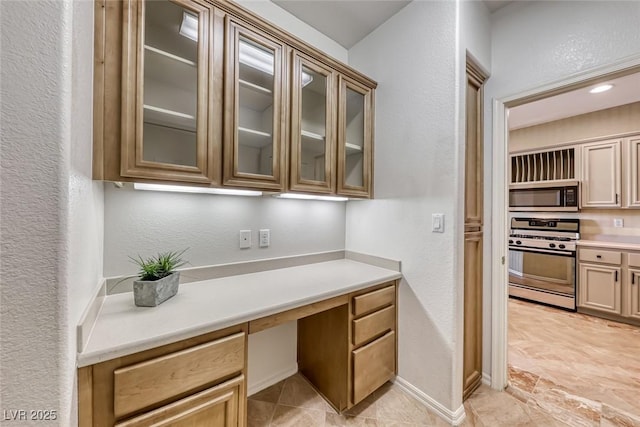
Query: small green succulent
{"points": [[157, 267]]}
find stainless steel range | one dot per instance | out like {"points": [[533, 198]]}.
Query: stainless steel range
{"points": [[542, 260]]}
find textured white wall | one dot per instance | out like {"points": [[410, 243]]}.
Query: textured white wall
{"points": [[418, 60], [537, 43], [51, 211]]}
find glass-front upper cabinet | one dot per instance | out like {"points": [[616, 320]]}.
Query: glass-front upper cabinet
{"points": [[167, 94], [313, 118], [355, 139], [254, 110]]}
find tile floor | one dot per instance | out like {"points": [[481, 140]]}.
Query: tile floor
{"points": [[583, 370]]}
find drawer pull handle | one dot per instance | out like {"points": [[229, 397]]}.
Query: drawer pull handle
{"points": [[599, 256], [616, 276]]}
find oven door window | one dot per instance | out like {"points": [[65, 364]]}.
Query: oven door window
{"points": [[544, 272], [543, 197]]}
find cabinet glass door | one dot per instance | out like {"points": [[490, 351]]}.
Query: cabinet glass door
{"points": [[166, 90], [355, 139], [313, 118], [254, 89]]}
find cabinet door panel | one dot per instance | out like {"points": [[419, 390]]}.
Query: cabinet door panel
{"points": [[254, 154], [601, 174], [312, 127], [216, 407], [355, 139], [633, 293], [166, 93], [599, 288], [633, 172], [373, 365]]}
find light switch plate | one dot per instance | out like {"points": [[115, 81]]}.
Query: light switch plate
{"points": [[245, 239], [265, 238], [437, 223]]}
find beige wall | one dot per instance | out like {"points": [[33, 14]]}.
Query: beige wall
{"points": [[613, 121]]}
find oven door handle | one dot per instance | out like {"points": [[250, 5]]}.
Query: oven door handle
{"points": [[570, 254]]}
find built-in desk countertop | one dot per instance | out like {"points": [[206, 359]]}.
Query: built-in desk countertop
{"points": [[121, 328]]}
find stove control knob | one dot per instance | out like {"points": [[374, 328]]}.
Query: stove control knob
{"points": [[518, 242], [561, 246], [511, 242], [552, 245]]}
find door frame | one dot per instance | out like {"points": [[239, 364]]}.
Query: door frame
{"points": [[499, 206]]}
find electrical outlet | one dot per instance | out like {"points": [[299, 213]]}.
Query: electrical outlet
{"points": [[618, 222], [265, 238], [245, 239]]}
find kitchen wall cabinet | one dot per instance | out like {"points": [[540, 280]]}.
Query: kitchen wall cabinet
{"points": [[632, 156], [173, 79], [601, 184]]}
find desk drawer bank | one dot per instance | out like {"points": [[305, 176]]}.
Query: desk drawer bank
{"points": [[347, 348]]}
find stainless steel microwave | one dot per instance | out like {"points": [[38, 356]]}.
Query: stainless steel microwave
{"points": [[536, 197]]}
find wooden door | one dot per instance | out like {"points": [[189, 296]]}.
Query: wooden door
{"points": [[601, 174], [473, 226], [633, 172], [171, 124], [255, 90], [355, 139], [313, 118], [220, 406], [599, 288]]}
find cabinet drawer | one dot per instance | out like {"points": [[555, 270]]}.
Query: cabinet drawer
{"points": [[217, 406], [374, 324], [374, 300], [146, 383], [373, 365], [598, 255], [634, 260]]}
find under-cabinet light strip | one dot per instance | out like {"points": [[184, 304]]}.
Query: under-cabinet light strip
{"points": [[205, 190], [311, 197]]}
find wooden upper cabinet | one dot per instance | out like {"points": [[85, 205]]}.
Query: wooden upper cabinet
{"points": [[167, 91], [601, 174], [313, 126], [255, 84], [355, 138], [633, 172]]}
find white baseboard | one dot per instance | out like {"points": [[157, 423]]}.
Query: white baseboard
{"points": [[486, 379], [453, 417], [271, 380]]}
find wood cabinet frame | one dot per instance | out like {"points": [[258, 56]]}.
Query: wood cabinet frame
{"points": [[613, 169], [366, 190], [296, 182], [235, 29]]}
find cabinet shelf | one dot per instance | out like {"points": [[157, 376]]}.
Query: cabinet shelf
{"points": [[166, 69], [254, 138], [255, 96], [315, 143], [170, 56], [169, 118], [352, 148]]}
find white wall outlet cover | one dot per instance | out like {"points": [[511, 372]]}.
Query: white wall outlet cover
{"points": [[245, 239], [264, 237], [618, 222], [437, 223]]}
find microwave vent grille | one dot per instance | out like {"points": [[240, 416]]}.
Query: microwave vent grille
{"points": [[543, 166]]}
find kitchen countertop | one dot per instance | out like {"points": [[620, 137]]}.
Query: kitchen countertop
{"points": [[610, 241], [121, 328]]}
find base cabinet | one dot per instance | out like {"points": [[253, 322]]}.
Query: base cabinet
{"points": [[634, 292], [600, 288]]}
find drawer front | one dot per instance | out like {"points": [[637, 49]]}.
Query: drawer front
{"points": [[217, 406], [634, 260], [144, 384], [374, 324], [374, 300], [598, 255], [373, 365]]}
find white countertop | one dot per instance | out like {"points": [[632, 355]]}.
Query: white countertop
{"points": [[610, 241], [121, 328]]}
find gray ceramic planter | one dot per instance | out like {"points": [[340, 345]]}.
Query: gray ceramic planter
{"points": [[153, 293]]}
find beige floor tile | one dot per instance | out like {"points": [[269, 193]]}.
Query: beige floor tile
{"points": [[259, 413], [289, 416], [297, 392], [336, 420], [269, 394]]}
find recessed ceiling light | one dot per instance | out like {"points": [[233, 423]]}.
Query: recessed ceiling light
{"points": [[601, 88]]}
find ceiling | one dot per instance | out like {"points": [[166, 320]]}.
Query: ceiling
{"points": [[625, 91]]}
